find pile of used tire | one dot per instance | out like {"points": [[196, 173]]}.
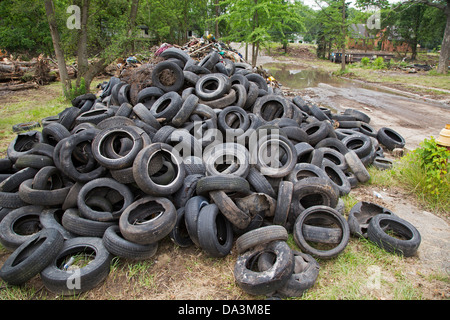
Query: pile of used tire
{"points": [[213, 158]]}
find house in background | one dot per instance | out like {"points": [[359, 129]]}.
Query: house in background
{"points": [[360, 38]]}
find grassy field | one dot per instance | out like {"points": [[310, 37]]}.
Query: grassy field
{"points": [[362, 271]]}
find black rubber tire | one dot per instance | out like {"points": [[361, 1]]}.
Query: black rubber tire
{"points": [[241, 115], [25, 126], [51, 218], [142, 175], [359, 115], [321, 211], [305, 170], [13, 182], [361, 214], [167, 106], [376, 232], [191, 212], [290, 156], [227, 149], [318, 113], [31, 257], [336, 157], [271, 106], [187, 190], [148, 94], [221, 86], [259, 236], [177, 72], [176, 53], [76, 224], [238, 217], [38, 197], [57, 280], [337, 177], [360, 144], [311, 192], [179, 234], [227, 183], [382, 163], [103, 148], [118, 246], [332, 143], [63, 156], [188, 106], [86, 211], [33, 161], [139, 225], [143, 113], [356, 166], [258, 79], [282, 210], [22, 144], [390, 138], [304, 276], [264, 282], [259, 182], [215, 233], [317, 131], [19, 225], [48, 178]]}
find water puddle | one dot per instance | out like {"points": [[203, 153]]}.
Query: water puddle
{"points": [[295, 77]]}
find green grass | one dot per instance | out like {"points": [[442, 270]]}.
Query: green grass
{"points": [[32, 106], [409, 176]]}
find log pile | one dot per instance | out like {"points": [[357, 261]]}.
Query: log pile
{"points": [[20, 75]]}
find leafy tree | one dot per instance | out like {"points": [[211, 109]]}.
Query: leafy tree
{"points": [[24, 28], [334, 23], [259, 21]]}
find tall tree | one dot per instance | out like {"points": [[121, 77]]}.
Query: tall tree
{"points": [[65, 80], [334, 24], [254, 21]]}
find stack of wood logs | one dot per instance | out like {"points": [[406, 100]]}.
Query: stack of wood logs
{"points": [[20, 75]]}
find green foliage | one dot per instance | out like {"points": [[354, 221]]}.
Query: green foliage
{"points": [[378, 63], [424, 172], [23, 28], [434, 159], [76, 91], [365, 61]]}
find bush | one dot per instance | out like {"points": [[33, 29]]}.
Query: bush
{"points": [[365, 61], [378, 63], [76, 91], [425, 171]]}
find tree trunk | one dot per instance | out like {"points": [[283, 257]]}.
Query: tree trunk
{"points": [[217, 9], [50, 12], [343, 37], [82, 55], [132, 22], [445, 47]]}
